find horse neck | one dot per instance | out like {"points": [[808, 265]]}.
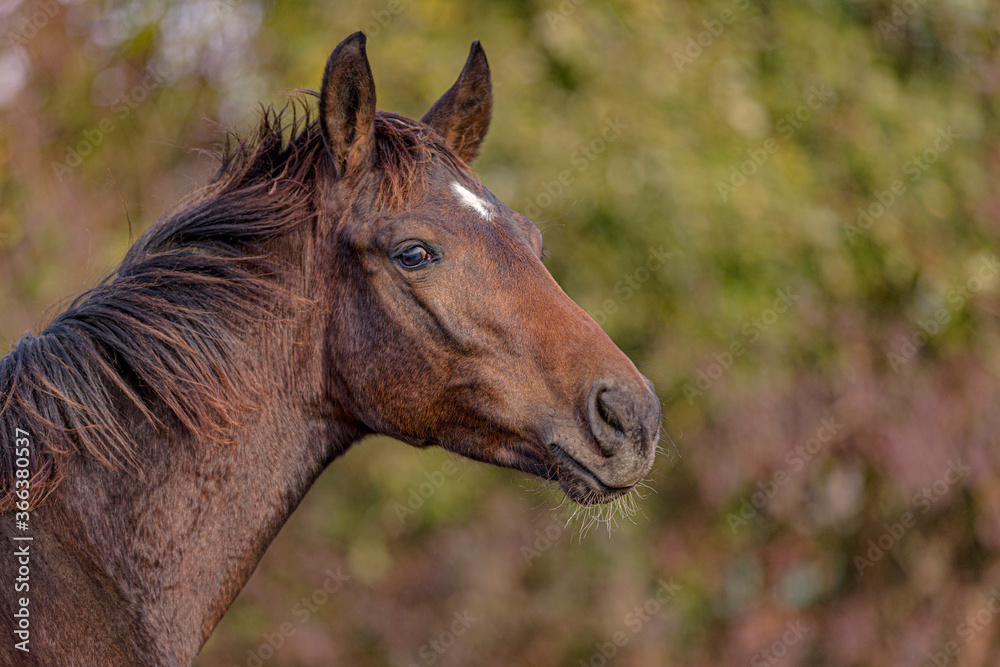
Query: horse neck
{"points": [[158, 558]]}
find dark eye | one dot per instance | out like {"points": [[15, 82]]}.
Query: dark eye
{"points": [[414, 257]]}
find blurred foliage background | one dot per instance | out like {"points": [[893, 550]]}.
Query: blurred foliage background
{"points": [[821, 179]]}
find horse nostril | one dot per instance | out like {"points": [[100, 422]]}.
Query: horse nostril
{"points": [[607, 413], [624, 419], [611, 416]]}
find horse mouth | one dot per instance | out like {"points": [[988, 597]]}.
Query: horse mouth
{"points": [[579, 483]]}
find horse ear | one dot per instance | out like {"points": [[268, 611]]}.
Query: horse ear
{"points": [[462, 115], [347, 104]]}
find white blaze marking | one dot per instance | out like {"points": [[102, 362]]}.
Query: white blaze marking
{"points": [[473, 201]]}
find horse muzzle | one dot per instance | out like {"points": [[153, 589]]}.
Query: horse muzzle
{"points": [[616, 450]]}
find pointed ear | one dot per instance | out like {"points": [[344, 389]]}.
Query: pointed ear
{"points": [[347, 104], [462, 115]]}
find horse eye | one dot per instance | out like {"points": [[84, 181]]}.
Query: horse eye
{"points": [[414, 257]]}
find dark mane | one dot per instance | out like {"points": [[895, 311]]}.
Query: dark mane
{"points": [[163, 332]]}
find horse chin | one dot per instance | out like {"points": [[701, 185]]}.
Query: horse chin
{"points": [[583, 495]]}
